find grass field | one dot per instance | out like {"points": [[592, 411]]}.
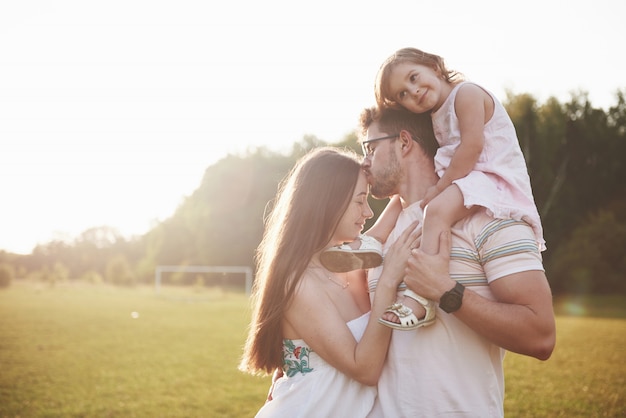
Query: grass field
{"points": [[79, 351]]}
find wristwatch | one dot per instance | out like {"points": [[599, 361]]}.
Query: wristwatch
{"points": [[452, 299]]}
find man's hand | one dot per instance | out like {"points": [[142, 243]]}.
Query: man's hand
{"points": [[429, 275]]}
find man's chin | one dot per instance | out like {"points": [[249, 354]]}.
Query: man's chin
{"points": [[375, 190]]}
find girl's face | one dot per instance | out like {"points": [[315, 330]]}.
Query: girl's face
{"points": [[358, 211], [417, 88]]}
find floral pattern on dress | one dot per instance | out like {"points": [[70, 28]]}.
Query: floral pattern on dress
{"points": [[295, 359]]}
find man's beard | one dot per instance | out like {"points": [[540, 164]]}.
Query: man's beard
{"points": [[385, 183]]}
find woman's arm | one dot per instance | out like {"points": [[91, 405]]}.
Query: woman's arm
{"points": [[318, 321]]}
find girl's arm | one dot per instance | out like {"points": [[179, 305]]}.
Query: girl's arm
{"points": [[472, 104], [386, 221]]}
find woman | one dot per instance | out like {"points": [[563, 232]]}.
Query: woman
{"points": [[313, 324]]}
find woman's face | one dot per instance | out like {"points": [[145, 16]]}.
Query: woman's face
{"points": [[353, 219]]}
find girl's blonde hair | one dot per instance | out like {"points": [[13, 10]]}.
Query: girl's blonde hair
{"points": [[309, 204], [382, 91]]}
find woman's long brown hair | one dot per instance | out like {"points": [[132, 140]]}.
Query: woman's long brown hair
{"points": [[310, 201]]}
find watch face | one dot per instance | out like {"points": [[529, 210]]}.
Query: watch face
{"points": [[451, 300]]}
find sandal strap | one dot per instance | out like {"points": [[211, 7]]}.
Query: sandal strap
{"points": [[419, 299]]}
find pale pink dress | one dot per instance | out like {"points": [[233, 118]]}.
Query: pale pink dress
{"points": [[500, 180]]}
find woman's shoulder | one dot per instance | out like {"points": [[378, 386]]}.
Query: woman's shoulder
{"points": [[308, 296], [312, 290], [310, 281]]}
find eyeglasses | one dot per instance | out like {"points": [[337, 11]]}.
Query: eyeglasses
{"points": [[367, 150]]}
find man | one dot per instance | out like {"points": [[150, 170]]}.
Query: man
{"points": [[488, 280]]}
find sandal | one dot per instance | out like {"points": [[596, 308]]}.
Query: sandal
{"points": [[344, 258], [408, 320]]}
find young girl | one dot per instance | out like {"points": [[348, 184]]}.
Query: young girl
{"points": [[479, 162]]}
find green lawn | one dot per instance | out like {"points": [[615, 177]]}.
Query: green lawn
{"points": [[76, 351]]}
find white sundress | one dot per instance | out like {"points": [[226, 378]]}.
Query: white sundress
{"points": [[310, 387]]}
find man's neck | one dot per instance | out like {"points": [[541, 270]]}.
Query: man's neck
{"points": [[415, 185]]}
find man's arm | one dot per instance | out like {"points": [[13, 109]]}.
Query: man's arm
{"points": [[521, 319]]}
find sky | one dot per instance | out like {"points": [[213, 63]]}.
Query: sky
{"points": [[111, 111]]}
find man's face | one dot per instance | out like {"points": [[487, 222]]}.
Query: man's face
{"points": [[381, 163]]}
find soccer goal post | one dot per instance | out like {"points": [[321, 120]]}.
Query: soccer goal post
{"points": [[203, 269]]}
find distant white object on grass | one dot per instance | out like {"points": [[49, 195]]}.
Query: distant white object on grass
{"points": [[134, 315]]}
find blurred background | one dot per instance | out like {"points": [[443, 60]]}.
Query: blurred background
{"points": [[140, 133]]}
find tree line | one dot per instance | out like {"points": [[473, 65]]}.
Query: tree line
{"points": [[576, 160]]}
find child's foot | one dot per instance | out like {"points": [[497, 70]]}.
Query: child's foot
{"points": [[400, 315], [344, 258]]}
